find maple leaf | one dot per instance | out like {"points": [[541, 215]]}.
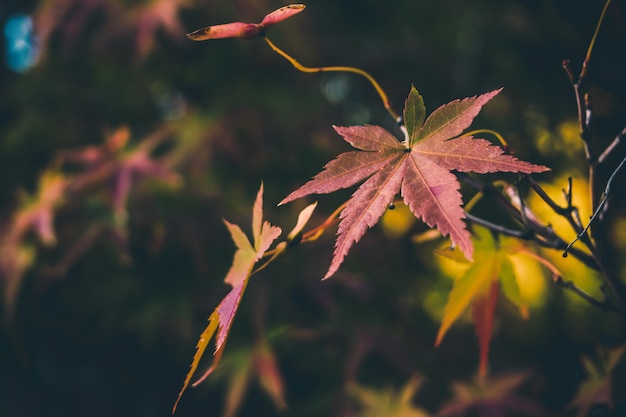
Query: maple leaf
{"points": [[491, 273], [489, 397], [596, 389], [36, 214], [388, 403], [258, 361], [246, 30], [120, 168], [419, 168], [246, 256]]}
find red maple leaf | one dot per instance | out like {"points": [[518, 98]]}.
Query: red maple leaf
{"points": [[419, 168]]}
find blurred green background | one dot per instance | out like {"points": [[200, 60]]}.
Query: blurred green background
{"points": [[105, 315]]}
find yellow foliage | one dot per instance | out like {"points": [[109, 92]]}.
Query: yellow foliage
{"points": [[500, 267], [571, 268], [397, 222], [531, 279]]}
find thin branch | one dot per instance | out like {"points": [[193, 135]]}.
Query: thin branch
{"points": [[522, 235], [552, 242], [569, 212], [599, 209], [621, 136], [541, 234], [594, 37], [604, 305], [583, 104], [561, 211]]}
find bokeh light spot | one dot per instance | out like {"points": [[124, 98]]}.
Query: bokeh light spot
{"points": [[22, 49]]}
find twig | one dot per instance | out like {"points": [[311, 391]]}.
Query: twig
{"points": [[523, 235], [569, 212], [583, 104], [621, 136], [604, 305], [605, 196], [543, 235]]}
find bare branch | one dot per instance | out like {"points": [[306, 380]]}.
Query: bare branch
{"points": [[605, 305], [621, 136], [605, 195]]}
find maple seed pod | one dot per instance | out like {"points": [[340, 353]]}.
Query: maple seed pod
{"points": [[246, 31]]}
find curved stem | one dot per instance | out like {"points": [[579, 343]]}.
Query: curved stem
{"points": [[371, 79], [503, 142], [309, 236], [315, 233]]}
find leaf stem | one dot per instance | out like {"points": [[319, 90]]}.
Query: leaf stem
{"points": [[503, 142], [315, 233], [309, 236], [371, 79]]}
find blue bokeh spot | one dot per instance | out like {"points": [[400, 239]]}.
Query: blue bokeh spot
{"points": [[22, 49]]}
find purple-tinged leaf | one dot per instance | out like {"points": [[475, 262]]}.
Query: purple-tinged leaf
{"points": [[343, 172], [432, 194], [419, 169], [364, 209], [369, 138], [467, 154]]}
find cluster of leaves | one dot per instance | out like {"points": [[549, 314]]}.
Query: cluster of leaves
{"points": [[425, 169], [420, 167], [105, 173], [143, 21]]}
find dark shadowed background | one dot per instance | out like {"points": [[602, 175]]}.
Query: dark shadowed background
{"points": [[107, 287]]}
